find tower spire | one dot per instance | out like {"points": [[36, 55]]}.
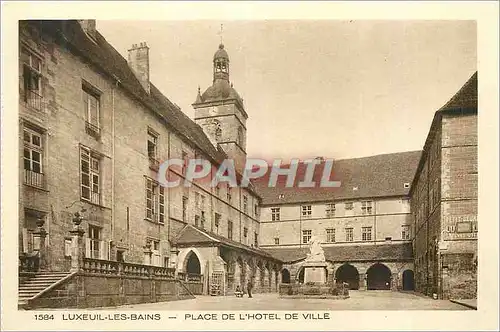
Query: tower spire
{"points": [[220, 32]]}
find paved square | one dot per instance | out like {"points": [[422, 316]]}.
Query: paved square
{"points": [[359, 300]]}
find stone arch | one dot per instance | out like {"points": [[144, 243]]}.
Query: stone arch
{"points": [[240, 138], [300, 275], [192, 264], [349, 274], [378, 277], [408, 280], [183, 257], [285, 276]]}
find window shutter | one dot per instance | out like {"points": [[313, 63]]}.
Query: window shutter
{"points": [[25, 240], [87, 247], [103, 253]]}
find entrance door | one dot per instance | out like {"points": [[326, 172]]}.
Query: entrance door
{"points": [[349, 274], [285, 276], [379, 277], [408, 280]]}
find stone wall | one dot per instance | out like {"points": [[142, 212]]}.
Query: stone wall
{"points": [[104, 288]]}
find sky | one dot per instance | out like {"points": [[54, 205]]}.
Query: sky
{"points": [[330, 88]]}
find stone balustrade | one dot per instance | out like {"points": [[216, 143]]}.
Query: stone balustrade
{"points": [[101, 266]]}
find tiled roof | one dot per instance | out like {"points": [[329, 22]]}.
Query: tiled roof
{"points": [[105, 57], [191, 235], [375, 176], [465, 98], [220, 90], [353, 253]]}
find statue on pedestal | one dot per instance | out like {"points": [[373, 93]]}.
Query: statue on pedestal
{"points": [[316, 252]]}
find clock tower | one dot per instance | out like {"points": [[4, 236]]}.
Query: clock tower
{"points": [[220, 112]]}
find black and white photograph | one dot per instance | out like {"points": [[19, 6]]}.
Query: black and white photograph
{"points": [[270, 167]]}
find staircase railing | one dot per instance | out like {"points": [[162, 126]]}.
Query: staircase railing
{"points": [[52, 286]]}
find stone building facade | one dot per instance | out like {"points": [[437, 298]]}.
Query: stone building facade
{"points": [[444, 201], [364, 225], [93, 133]]}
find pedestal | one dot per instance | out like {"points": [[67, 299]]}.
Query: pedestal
{"points": [[315, 272]]}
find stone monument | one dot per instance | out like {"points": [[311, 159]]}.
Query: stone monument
{"points": [[315, 263]]}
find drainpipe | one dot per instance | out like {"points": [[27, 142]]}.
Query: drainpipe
{"points": [[168, 197], [239, 203], [374, 222], [300, 225], [113, 88]]}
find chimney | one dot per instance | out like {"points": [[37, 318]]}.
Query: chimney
{"points": [[89, 27], [138, 60]]}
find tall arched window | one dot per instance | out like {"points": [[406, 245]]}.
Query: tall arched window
{"points": [[218, 132], [240, 137]]}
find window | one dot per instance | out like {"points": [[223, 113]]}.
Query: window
{"points": [[228, 194], [281, 196], [245, 232], [306, 235], [256, 210], [95, 242], [155, 201], [230, 230], [306, 211], [276, 240], [218, 133], [197, 220], [245, 204], [90, 171], [330, 210], [91, 109], [184, 208], [366, 207], [240, 137], [405, 232], [217, 190], [366, 233], [330, 235], [217, 222], [155, 255], [275, 214], [32, 74], [349, 205], [256, 239], [202, 219], [349, 234], [33, 153], [154, 164], [152, 142], [406, 185], [199, 201], [185, 162]]}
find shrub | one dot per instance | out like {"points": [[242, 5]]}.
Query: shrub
{"points": [[312, 291]]}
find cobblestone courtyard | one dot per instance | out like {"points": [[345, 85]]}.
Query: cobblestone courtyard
{"points": [[359, 300]]}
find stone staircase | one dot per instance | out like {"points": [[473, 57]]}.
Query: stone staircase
{"points": [[33, 286]]}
